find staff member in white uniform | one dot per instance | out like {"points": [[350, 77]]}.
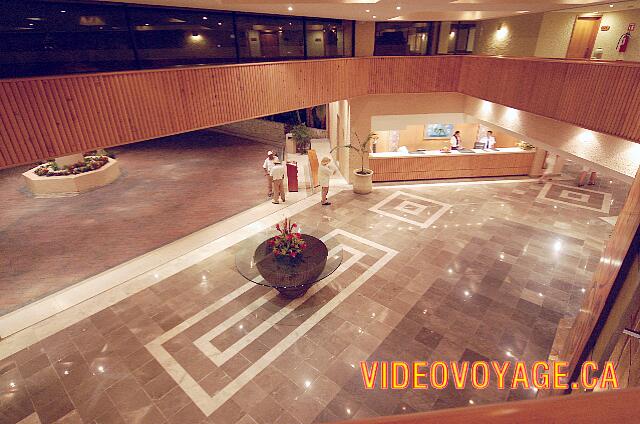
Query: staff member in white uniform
{"points": [[455, 140], [489, 141], [324, 175], [277, 175], [268, 164]]}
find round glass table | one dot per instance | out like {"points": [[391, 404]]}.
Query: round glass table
{"points": [[292, 278]]}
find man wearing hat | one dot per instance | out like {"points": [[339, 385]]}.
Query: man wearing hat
{"points": [[277, 176], [268, 164]]}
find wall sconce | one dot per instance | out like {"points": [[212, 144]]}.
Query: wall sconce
{"points": [[195, 34], [502, 32], [452, 34]]}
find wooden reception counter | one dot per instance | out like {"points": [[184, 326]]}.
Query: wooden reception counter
{"points": [[433, 164]]}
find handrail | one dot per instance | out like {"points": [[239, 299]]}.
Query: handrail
{"points": [[612, 407]]}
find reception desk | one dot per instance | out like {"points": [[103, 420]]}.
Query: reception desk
{"points": [[394, 166]]}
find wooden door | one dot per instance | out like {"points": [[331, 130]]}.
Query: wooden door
{"points": [[583, 38], [269, 44]]}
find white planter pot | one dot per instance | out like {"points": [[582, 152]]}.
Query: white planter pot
{"points": [[362, 184]]}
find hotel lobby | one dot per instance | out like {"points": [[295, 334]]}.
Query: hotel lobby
{"points": [[481, 210]]}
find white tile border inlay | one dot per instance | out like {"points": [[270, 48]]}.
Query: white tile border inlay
{"points": [[606, 200], [426, 224], [208, 404]]}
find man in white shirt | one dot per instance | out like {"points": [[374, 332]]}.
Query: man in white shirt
{"points": [[489, 141], [277, 175], [268, 164]]}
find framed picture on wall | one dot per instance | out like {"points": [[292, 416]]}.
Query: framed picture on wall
{"points": [[438, 131]]}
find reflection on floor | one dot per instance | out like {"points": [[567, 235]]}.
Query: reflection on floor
{"points": [[170, 188], [488, 278]]}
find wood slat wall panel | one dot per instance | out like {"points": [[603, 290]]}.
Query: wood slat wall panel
{"points": [[55, 116], [601, 96]]}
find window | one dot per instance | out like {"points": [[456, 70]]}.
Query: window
{"points": [[53, 38], [324, 38], [461, 38], [403, 38], [169, 37], [269, 38]]}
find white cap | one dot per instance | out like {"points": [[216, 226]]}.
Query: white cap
{"points": [[269, 153]]}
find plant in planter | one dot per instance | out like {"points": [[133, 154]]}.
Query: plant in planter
{"points": [[363, 177], [289, 243], [302, 136]]}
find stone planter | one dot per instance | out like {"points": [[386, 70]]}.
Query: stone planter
{"points": [[72, 184], [362, 183]]}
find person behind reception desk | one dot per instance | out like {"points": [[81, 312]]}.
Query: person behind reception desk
{"points": [[455, 141], [488, 141]]}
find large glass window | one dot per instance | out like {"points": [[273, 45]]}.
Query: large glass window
{"points": [[51, 38], [269, 38], [403, 38], [168, 37], [324, 38]]}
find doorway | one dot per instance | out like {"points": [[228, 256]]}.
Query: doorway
{"points": [[269, 44], [583, 38]]}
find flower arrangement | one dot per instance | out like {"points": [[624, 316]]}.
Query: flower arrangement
{"points": [[90, 163], [525, 146], [289, 243]]}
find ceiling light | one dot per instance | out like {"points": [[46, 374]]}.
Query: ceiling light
{"points": [[523, 11], [289, 8], [610, 5], [374, 16], [367, 10], [205, 18], [398, 7], [63, 11]]}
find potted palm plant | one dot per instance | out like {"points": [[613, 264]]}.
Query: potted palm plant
{"points": [[362, 177], [302, 137]]}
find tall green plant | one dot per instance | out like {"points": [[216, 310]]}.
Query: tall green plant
{"points": [[361, 147], [301, 134]]}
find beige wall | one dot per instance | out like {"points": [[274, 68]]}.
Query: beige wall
{"points": [[549, 34], [555, 34], [365, 38], [518, 36], [608, 40]]}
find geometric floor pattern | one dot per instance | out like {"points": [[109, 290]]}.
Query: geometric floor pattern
{"points": [[489, 278], [576, 197]]}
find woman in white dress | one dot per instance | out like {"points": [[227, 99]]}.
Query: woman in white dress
{"points": [[550, 162], [324, 175]]}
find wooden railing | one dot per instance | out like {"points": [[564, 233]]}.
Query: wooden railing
{"points": [[611, 407], [54, 116]]}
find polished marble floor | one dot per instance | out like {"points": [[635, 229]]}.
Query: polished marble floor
{"points": [[460, 271], [188, 181]]}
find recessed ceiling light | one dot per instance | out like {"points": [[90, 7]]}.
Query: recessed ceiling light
{"points": [[398, 7], [523, 11], [374, 16], [289, 8], [63, 11], [205, 18], [610, 5], [367, 10]]}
